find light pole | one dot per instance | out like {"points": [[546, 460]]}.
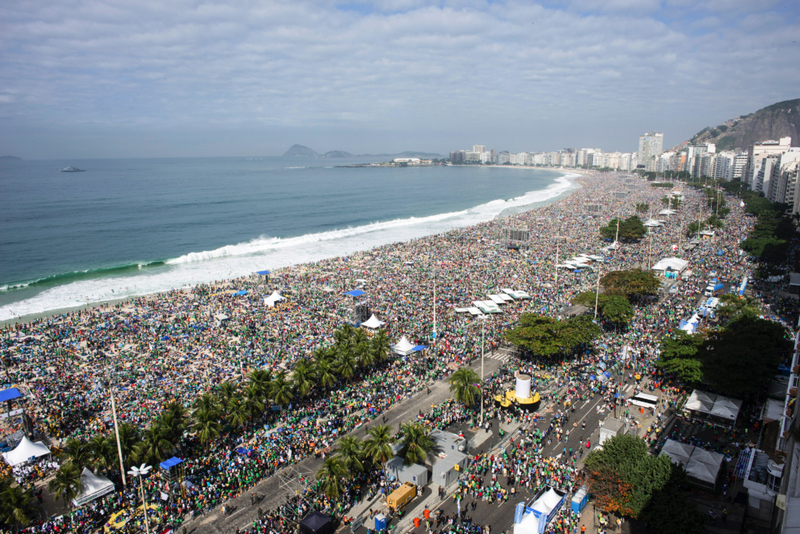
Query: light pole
{"points": [[483, 327], [138, 472], [597, 294]]}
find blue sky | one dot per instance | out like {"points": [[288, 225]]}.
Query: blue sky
{"points": [[149, 78]]}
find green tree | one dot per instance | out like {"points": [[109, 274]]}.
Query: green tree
{"points": [[260, 379], [679, 356], [325, 373], [378, 444], [226, 392], [155, 446], [346, 364], [464, 386], [206, 424], [733, 306], [545, 336], [103, 452], [16, 506], [66, 483], [641, 207], [253, 401], [740, 359], [78, 452], [633, 283], [237, 413], [331, 475], [281, 390], [670, 510], [631, 229], [176, 420], [351, 451], [618, 310], [302, 376], [623, 477], [417, 444], [380, 346]]}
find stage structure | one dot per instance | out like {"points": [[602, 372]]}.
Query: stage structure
{"points": [[172, 472], [294, 481], [521, 396], [517, 237], [359, 306]]}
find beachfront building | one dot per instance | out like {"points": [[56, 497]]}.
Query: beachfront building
{"points": [[756, 155], [651, 145]]}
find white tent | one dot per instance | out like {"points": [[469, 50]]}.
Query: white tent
{"points": [[675, 264], [678, 452], [273, 299], [403, 347], [704, 466], [373, 322], [700, 401], [707, 405], [93, 487], [726, 408], [25, 451]]}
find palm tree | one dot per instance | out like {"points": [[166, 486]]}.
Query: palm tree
{"points": [[155, 446], [301, 376], [226, 391], [237, 413], [350, 449], [380, 346], [331, 474], [346, 364], [417, 444], [66, 484], [206, 425], [325, 375], [207, 401], [78, 452], [463, 386], [260, 378], [377, 446], [641, 207], [128, 438], [16, 505], [175, 421], [103, 452], [253, 401], [280, 390], [343, 336]]}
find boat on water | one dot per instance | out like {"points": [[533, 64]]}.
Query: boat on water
{"points": [[72, 169]]}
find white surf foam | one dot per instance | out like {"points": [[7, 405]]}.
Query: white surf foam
{"points": [[267, 253]]}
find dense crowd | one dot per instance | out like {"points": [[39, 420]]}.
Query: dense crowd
{"points": [[175, 346]]}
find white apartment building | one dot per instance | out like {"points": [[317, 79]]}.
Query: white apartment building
{"points": [[651, 145], [758, 152], [479, 148]]}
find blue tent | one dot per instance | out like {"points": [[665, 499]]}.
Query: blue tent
{"points": [[419, 348], [262, 273], [166, 464], [355, 293], [10, 394], [241, 292]]}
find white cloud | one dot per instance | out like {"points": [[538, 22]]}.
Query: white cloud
{"points": [[406, 66]]}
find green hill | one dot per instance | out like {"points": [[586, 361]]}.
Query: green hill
{"points": [[772, 122]]}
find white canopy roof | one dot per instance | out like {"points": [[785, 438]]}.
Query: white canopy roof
{"points": [[708, 404], [704, 465], [25, 451], [726, 408], [94, 486], [667, 212], [273, 299], [700, 401], [403, 347], [676, 264], [373, 322], [678, 452]]}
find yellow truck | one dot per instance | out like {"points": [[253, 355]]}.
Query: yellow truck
{"points": [[401, 496]]}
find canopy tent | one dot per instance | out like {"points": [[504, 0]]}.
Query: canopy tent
{"points": [[317, 523], [679, 453], [240, 293], [403, 347], [714, 407], [487, 306], [373, 322], [667, 212], [652, 223], [704, 466], [262, 273], [92, 487], [418, 348], [672, 264], [10, 394], [515, 294], [25, 452], [172, 462], [355, 293], [273, 299]]}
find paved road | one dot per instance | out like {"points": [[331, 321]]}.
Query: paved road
{"points": [[283, 484]]}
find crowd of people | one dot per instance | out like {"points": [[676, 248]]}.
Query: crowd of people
{"points": [[172, 347]]}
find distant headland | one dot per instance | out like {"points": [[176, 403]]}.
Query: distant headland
{"points": [[300, 150], [9, 157]]}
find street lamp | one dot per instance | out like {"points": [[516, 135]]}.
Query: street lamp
{"points": [[483, 327], [138, 472]]}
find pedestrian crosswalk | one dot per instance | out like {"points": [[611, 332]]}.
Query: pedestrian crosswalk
{"points": [[501, 356]]}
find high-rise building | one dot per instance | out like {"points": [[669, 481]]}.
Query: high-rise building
{"points": [[651, 145], [479, 148], [757, 153]]}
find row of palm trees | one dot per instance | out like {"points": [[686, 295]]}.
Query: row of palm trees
{"points": [[351, 353], [352, 456]]}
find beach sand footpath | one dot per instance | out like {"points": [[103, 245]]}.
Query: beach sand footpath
{"points": [[173, 347]]}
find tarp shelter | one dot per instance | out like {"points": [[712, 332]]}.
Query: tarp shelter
{"points": [[373, 322], [92, 487], [403, 347], [262, 273], [355, 293], [317, 523], [273, 299], [172, 462], [10, 394], [418, 348], [672, 264], [240, 293], [25, 452]]}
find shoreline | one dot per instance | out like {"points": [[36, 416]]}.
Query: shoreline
{"points": [[572, 177]]}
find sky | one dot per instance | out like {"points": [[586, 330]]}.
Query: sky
{"points": [[156, 78]]}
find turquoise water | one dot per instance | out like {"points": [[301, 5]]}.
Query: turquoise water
{"points": [[139, 226]]}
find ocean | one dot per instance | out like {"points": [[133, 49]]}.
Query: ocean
{"points": [[130, 227]]}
